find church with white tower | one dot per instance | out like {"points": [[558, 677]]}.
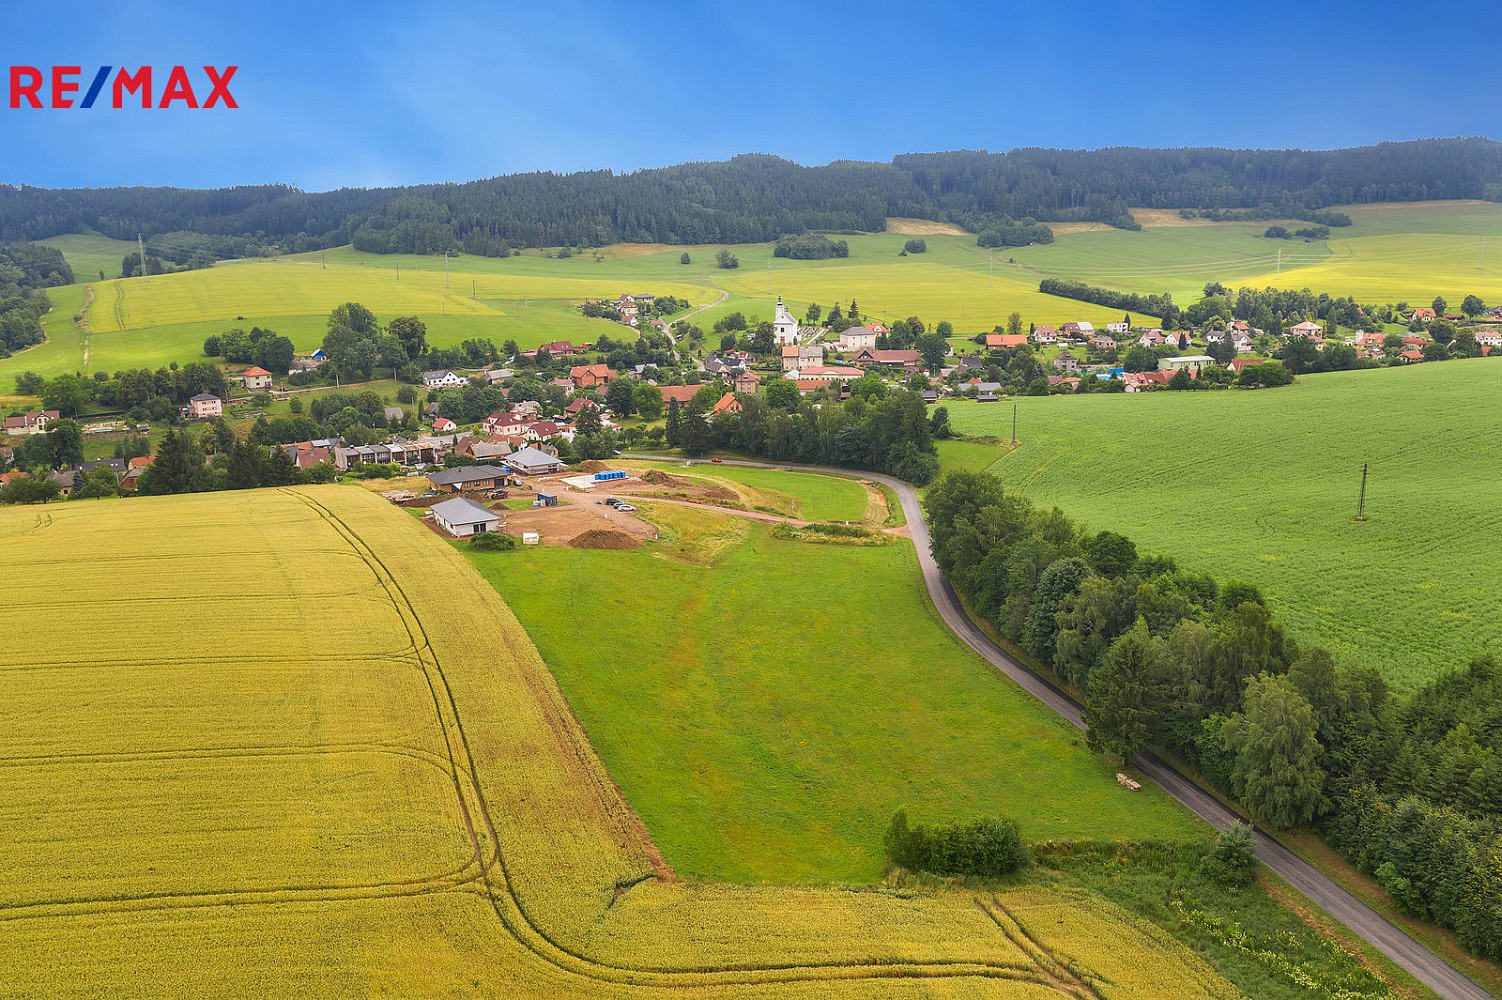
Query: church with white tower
{"points": [[784, 326]]}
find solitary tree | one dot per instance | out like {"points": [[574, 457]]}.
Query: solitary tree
{"points": [[1473, 306], [726, 260], [1438, 305], [1014, 323], [684, 258]]}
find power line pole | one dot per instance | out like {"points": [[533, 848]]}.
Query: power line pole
{"points": [[1014, 424], [325, 257], [445, 269], [1280, 263], [1361, 503], [472, 292], [141, 246], [398, 270]]}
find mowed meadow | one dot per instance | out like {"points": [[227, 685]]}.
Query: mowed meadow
{"points": [[774, 702], [330, 763], [1263, 486]]}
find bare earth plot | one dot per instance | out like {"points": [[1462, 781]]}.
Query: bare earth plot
{"points": [[288, 743]]}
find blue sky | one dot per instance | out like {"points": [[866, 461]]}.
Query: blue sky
{"points": [[377, 93]]}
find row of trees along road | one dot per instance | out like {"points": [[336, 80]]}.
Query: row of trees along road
{"points": [[1409, 788]]}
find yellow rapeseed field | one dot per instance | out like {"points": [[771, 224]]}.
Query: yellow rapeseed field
{"points": [[287, 743]]}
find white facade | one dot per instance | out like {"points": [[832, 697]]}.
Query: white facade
{"points": [[856, 338], [784, 326]]}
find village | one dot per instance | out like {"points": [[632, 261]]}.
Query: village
{"points": [[556, 399]]}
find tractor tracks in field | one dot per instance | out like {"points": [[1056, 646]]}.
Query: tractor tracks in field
{"points": [[499, 885]]}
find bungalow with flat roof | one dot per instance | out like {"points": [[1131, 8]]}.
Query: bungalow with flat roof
{"points": [[462, 517]]}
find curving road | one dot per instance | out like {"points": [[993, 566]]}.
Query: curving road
{"points": [[1381, 933]]}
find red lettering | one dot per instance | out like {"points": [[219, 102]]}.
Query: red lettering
{"points": [[221, 86], [178, 89], [61, 85], [27, 89], [140, 81]]}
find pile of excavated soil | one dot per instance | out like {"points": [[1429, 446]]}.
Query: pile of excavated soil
{"points": [[591, 466], [604, 538], [659, 478]]}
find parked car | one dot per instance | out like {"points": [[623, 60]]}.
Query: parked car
{"points": [[715, 460], [626, 507]]}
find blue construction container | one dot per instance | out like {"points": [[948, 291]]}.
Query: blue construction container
{"points": [[609, 475]]}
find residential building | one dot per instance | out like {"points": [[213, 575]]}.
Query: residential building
{"points": [[684, 394], [1043, 335], [1005, 341], [470, 477], [887, 359], [1191, 362], [34, 422], [1117, 328], [746, 381], [727, 404], [256, 379], [1078, 330], [1308, 330], [462, 517], [533, 462], [499, 375], [1066, 362], [1152, 338], [443, 425], [205, 404], [1489, 338], [858, 337], [441, 379], [590, 376], [1104, 343], [828, 373], [395, 414], [504, 425]]}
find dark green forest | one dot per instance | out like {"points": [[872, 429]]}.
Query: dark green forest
{"points": [[758, 198]]}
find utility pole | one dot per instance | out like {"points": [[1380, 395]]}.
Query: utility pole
{"points": [[325, 256], [398, 270], [1361, 503], [141, 246], [1014, 424], [472, 292], [445, 269], [1280, 263]]}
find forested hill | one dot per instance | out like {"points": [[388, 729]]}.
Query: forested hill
{"points": [[755, 198]]}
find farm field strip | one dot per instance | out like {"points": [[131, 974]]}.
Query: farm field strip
{"points": [[549, 850]]}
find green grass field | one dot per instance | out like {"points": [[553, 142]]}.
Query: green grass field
{"points": [[1262, 486], [769, 713], [90, 253]]}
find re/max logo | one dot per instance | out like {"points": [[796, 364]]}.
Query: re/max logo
{"points": [[26, 85]]}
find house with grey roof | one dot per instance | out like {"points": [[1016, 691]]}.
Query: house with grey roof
{"points": [[533, 462], [468, 477], [462, 517]]}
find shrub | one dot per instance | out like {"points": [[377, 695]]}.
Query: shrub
{"points": [[984, 847], [492, 541], [1234, 859]]}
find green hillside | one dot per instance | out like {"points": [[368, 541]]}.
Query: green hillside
{"points": [[1263, 485]]}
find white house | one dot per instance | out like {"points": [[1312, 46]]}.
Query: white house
{"points": [[784, 326], [798, 356], [1117, 328], [256, 379], [1192, 362], [463, 517], [1489, 338], [855, 338], [443, 379], [1312, 331]]}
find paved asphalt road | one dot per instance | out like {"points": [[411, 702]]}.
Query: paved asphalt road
{"points": [[1431, 970]]}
